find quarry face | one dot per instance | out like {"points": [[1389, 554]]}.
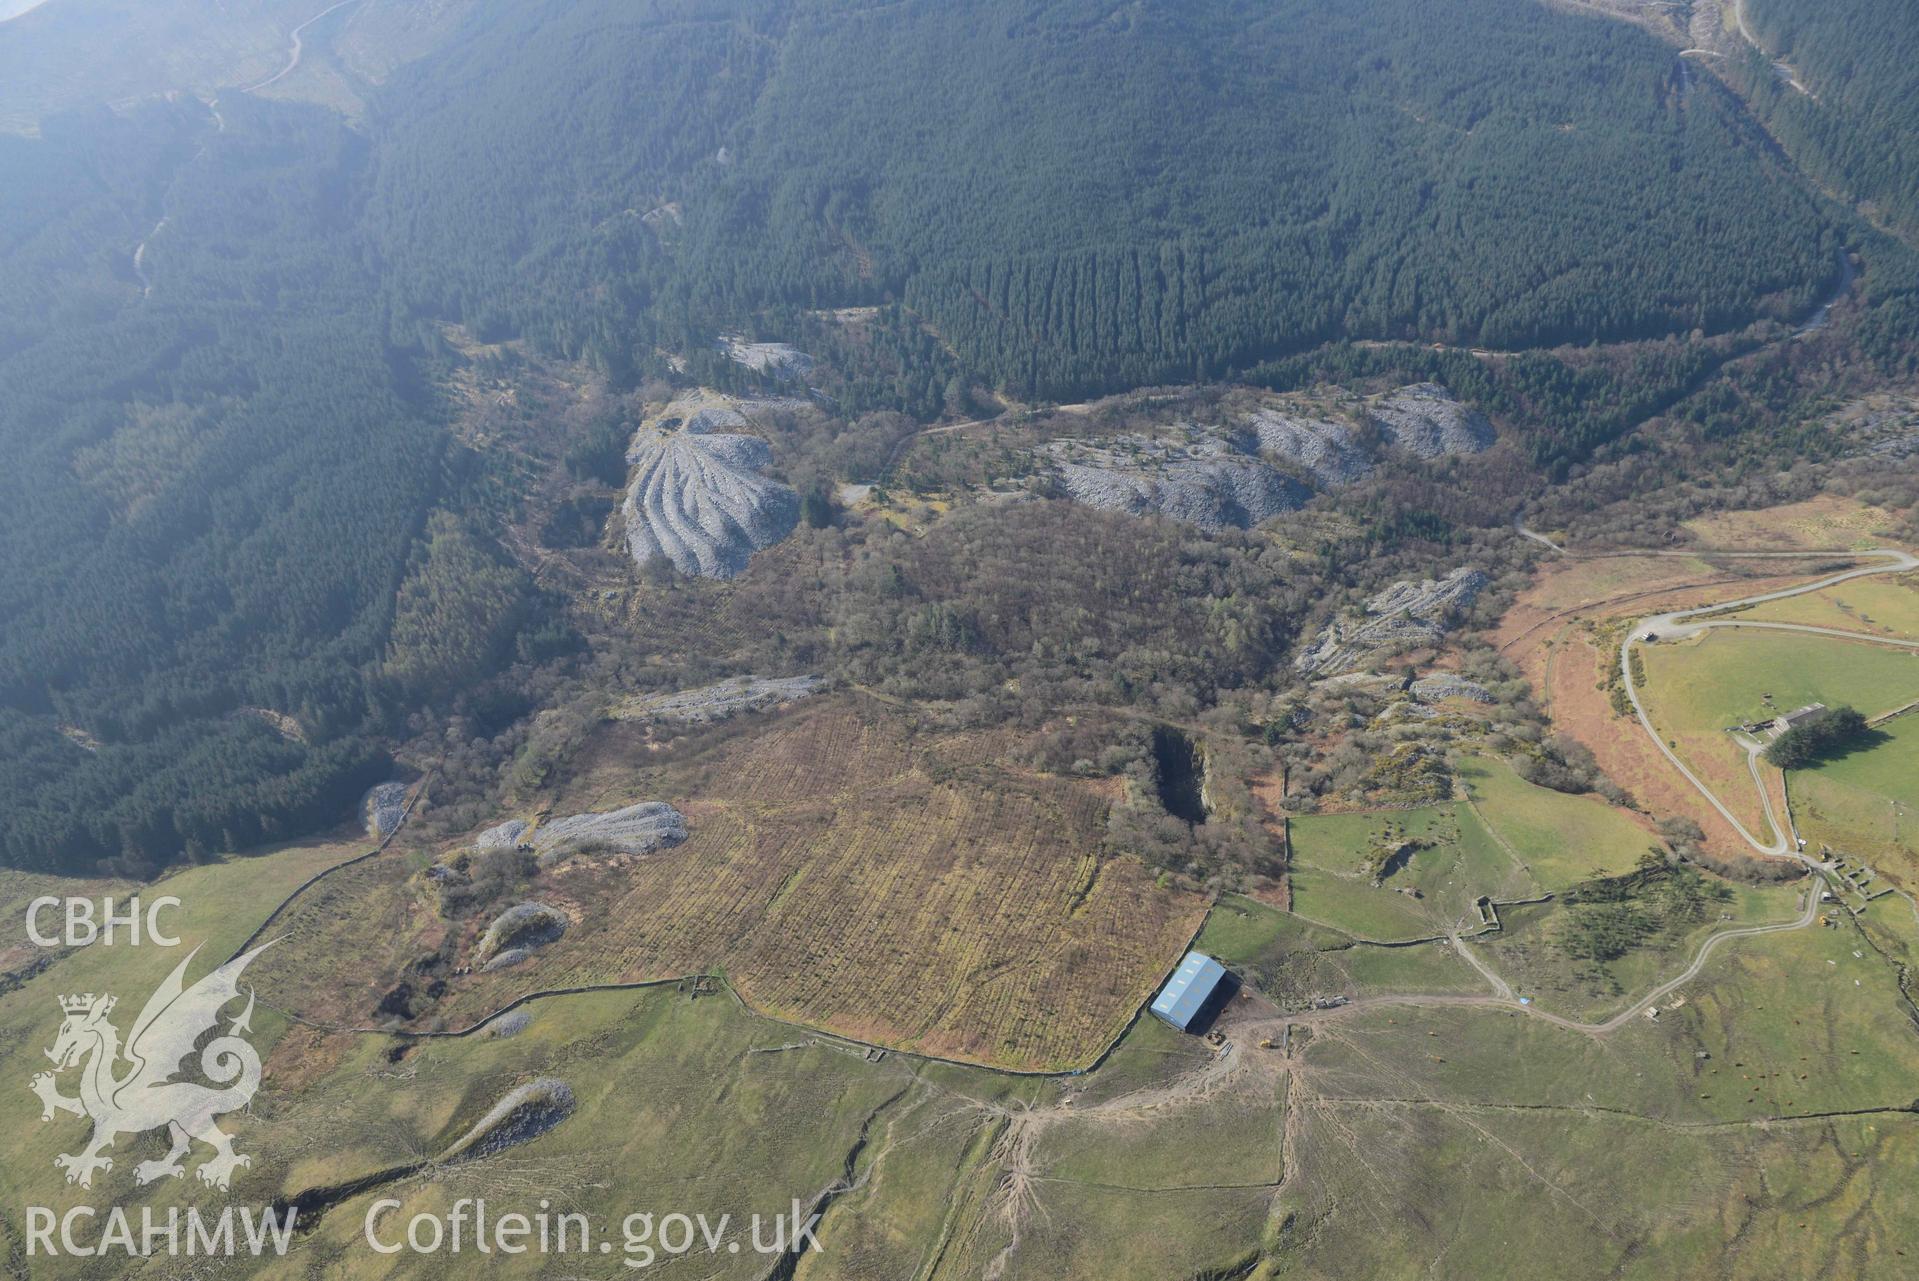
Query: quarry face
{"points": [[1247, 470]]}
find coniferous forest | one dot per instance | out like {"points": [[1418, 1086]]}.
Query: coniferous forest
{"points": [[1074, 216], [1852, 118], [242, 545]]}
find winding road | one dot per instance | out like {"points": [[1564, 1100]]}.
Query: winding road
{"points": [[1504, 998], [1673, 625], [1519, 527], [140, 258], [1679, 625], [298, 47], [140, 250]]}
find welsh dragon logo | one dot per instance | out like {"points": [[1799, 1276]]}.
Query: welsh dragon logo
{"points": [[130, 1090]]}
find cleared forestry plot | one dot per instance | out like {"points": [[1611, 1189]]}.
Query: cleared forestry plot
{"points": [[839, 872]]}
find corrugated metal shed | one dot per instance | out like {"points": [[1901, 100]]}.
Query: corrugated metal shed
{"points": [[1187, 992]]}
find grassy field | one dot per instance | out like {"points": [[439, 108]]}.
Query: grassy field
{"points": [[1531, 953], [1292, 960], [1391, 1141], [1789, 1023], [1883, 605], [701, 1107], [1576, 1194], [845, 873], [1823, 522], [1474, 1138], [1511, 841], [1559, 839], [681, 1104], [1563, 632], [220, 905], [1721, 680], [1570, 584], [1459, 1142], [1866, 805], [691, 1105], [19, 889], [839, 873], [1455, 861], [670, 1093], [1694, 691]]}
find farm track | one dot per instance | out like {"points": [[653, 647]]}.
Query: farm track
{"points": [[1501, 989], [1239, 1067], [1599, 1029], [1237, 1060], [1674, 625]]}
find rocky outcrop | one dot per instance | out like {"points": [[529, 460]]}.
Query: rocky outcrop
{"points": [[383, 809], [1204, 477], [776, 359], [526, 1112], [1897, 447], [522, 928], [637, 829], [1433, 598], [1405, 615], [1424, 420], [1332, 453], [1372, 684], [507, 960], [666, 215], [1239, 475], [502, 835], [508, 1025], [1884, 425], [719, 701], [1214, 495], [1444, 685], [697, 498]]}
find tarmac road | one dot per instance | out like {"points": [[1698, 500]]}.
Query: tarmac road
{"points": [[1671, 626], [1674, 626]]}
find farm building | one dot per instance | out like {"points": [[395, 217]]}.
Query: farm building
{"points": [[1193, 985], [1798, 717]]}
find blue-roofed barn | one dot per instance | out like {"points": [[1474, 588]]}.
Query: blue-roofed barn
{"points": [[1189, 991]]}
